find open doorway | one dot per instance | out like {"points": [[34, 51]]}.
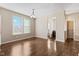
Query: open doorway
{"points": [[52, 28], [52, 36], [70, 30]]}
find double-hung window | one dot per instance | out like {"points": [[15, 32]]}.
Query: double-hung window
{"points": [[17, 25], [21, 26], [27, 25]]}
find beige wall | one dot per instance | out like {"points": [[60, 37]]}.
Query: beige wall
{"points": [[6, 17]]}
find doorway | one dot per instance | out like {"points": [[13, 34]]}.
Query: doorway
{"points": [[70, 30], [52, 36], [52, 28]]}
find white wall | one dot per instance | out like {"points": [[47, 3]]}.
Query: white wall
{"points": [[60, 21], [7, 27], [41, 26], [42, 29]]}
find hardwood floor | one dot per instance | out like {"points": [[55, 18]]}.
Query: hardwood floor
{"points": [[40, 47]]}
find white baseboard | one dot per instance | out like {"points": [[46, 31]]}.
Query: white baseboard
{"points": [[19, 40], [47, 38], [60, 40], [42, 37], [14, 40], [29, 37], [76, 38]]}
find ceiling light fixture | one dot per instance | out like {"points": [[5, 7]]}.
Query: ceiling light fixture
{"points": [[33, 15]]}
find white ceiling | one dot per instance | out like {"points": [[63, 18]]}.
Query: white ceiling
{"points": [[41, 9]]}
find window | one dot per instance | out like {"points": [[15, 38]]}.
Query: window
{"points": [[17, 25], [21, 26], [27, 26]]}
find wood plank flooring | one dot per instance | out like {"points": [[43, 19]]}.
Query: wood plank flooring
{"points": [[40, 47]]}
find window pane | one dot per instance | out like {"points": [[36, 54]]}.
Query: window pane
{"points": [[17, 25], [27, 23]]}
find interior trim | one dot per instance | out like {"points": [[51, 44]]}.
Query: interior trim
{"points": [[15, 40]]}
